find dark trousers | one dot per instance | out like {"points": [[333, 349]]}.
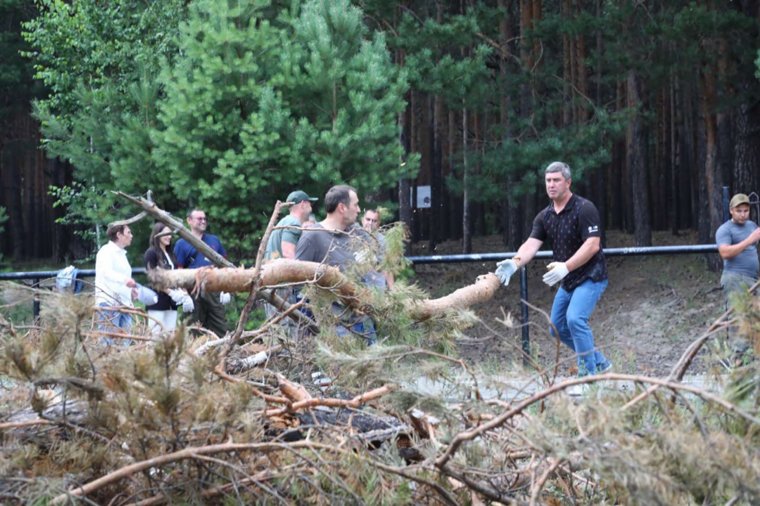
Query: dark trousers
{"points": [[210, 313]]}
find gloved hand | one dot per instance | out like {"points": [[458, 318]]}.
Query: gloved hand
{"points": [[505, 269], [224, 297], [557, 272], [182, 298], [188, 306], [177, 295]]}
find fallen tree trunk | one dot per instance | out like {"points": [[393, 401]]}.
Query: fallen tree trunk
{"points": [[276, 272], [483, 289], [283, 272]]}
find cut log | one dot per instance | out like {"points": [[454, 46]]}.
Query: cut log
{"points": [[283, 271], [277, 272], [483, 289]]}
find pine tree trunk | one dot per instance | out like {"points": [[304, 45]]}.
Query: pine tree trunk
{"points": [[466, 205], [436, 173], [637, 165], [746, 170]]}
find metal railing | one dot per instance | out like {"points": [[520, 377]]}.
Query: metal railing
{"points": [[524, 315], [38, 276]]}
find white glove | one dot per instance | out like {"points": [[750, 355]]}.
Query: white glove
{"points": [[505, 269], [557, 272], [177, 295], [188, 306], [182, 298], [224, 297]]}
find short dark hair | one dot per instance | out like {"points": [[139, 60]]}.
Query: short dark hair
{"points": [[192, 210], [339, 194], [375, 210], [114, 229]]}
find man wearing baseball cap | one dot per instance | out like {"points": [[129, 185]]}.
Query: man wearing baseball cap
{"points": [[284, 238], [737, 245]]}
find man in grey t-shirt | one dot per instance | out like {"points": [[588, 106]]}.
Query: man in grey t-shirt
{"points": [[336, 241], [737, 245]]}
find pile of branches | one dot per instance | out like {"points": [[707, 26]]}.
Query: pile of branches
{"points": [[263, 416]]}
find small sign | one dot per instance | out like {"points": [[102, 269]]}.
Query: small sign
{"points": [[424, 200]]}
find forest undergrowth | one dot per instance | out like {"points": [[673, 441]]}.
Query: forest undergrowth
{"points": [[323, 420]]}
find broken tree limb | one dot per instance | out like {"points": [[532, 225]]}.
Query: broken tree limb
{"points": [[255, 286], [283, 271], [178, 226], [483, 289], [313, 402], [277, 272]]}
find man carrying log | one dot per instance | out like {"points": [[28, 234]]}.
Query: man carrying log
{"points": [[334, 241], [574, 227]]}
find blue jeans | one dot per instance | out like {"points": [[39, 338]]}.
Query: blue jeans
{"points": [[112, 321], [570, 313], [352, 324]]}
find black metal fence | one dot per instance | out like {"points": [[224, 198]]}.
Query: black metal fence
{"points": [[610, 252], [38, 276]]}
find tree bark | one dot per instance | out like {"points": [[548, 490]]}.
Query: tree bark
{"points": [[636, 165], [466, 205], [283, 271]]}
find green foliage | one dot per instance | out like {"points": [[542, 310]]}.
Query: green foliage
{"points": [[99, 61], [216, 104], [584, 147], [257, 105]]}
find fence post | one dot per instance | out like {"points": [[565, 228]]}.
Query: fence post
{"points": [[525, 316], [36, 303]]}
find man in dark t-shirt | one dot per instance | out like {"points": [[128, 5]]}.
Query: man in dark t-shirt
{"points": [[573, 225], [336, 241]]}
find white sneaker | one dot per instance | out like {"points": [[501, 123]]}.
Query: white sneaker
{"points": [[578, 390]]}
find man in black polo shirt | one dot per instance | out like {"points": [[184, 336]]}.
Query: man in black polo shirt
{"points": [[573, 225]]}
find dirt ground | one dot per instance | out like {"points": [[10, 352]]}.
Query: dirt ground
{"points": [[653, 308]]}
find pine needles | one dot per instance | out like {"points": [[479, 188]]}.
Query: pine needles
{"points": [[157, 423]]}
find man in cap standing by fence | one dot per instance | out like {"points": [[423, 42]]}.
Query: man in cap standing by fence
{"points": [[737, 245]]}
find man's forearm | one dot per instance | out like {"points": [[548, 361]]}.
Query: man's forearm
{"points": [[585, 253]]}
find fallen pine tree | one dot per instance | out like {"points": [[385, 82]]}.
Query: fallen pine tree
{"points": [[160, 423]]}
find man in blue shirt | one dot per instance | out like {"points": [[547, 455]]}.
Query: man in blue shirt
{"points": [[209, 309]]}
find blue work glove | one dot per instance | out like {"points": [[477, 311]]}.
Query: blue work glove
{"points": [[505, 269], [557, 272]]}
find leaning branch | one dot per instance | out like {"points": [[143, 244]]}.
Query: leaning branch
{"points": [[187, 453]]}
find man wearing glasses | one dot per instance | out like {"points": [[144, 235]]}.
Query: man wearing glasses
{"points": [[209, 306]]}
